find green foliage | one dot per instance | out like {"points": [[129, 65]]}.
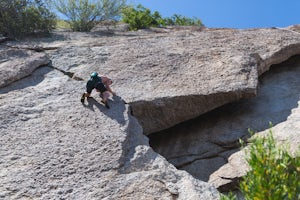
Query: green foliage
{"points": [[230, 196], [182, 21], [83, 14], [21, 17], [274, 173], [62, 24], [141, 17]]}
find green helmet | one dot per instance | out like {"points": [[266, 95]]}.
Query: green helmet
{"points": [[94, 75]]}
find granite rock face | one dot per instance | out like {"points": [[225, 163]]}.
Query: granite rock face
{"points": [[52, 146]]}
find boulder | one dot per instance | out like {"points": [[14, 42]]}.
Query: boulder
{"points": [[16, 64]]}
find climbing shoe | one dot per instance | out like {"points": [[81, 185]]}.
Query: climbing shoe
{"points": [[106, 104], [82, 98]]}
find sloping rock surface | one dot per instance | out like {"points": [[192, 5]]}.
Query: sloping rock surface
{"points": [[52, 146]]}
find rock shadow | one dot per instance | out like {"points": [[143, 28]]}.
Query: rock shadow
{"points": [[115, 112], [202, 145]]}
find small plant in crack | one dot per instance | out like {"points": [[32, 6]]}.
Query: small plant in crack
{"points": [[274, 174]]}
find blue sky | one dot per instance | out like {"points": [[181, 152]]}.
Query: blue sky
{"points": [[230, 13]]}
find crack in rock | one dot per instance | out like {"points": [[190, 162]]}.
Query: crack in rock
{"points": [[67, 73]]}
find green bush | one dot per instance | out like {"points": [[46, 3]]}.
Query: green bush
{"points": [[182, 21], [141, 17], [22, 17], [274, 173], [83, 14], [230, 196]]}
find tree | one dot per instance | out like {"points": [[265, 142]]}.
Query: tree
{"points": [[140, 17], [21, 17], [82, 15]]}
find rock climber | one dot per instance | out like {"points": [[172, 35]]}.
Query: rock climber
{"points": [[102, 85]]}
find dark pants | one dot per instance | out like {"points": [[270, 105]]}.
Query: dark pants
{"points": [[91, 85]]}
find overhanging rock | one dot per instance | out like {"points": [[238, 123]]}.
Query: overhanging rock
{"points": [[170, 78]]}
